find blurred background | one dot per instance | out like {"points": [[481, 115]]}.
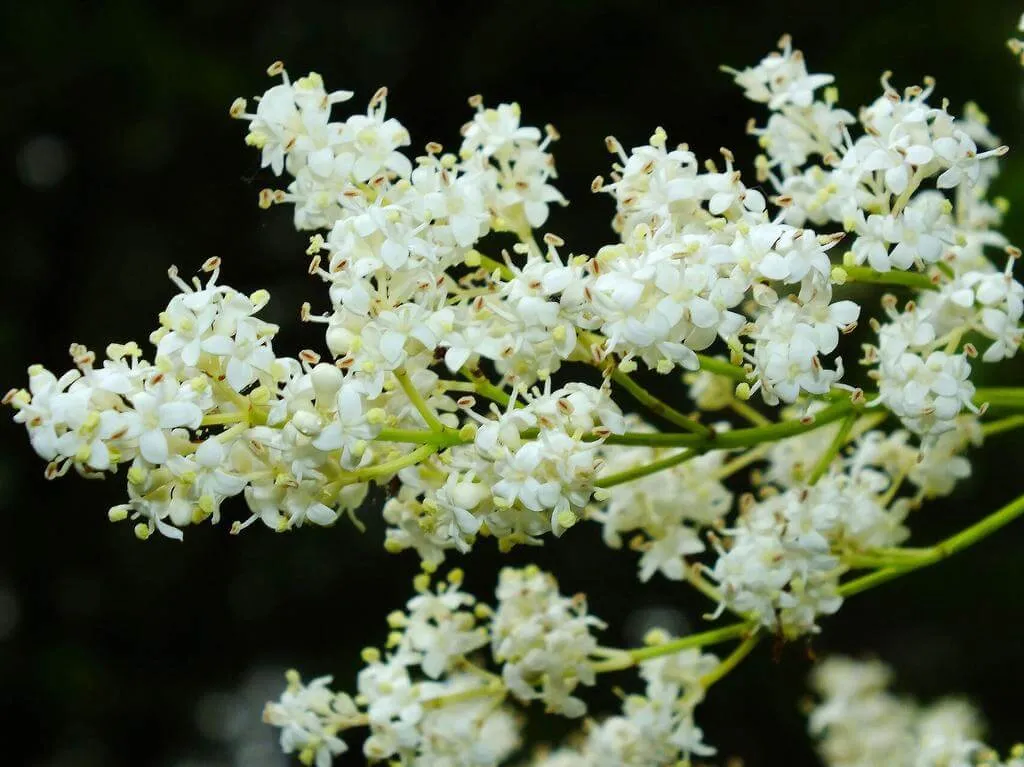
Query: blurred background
{"points": [[118, 159]]}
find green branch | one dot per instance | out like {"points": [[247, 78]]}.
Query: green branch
{"points": [[642, 471], [623, 659], [426, 412], [1002, 425], [656, 406], [867, 275], [1009, 397], [732, 660], [826, 458], [916, 559]]}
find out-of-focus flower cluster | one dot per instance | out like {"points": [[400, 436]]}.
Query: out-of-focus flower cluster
{"points": [[859, 723]]}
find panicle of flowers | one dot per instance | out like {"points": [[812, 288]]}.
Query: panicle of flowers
{"points": [[440, 385], [424, 701], [776, 565], [780, 563], [887, 188], [925, 386], [694, 247], [164, 418], [393, 227], [543, 640], [859, 723]]}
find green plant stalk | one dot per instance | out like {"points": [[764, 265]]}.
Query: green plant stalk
{"points": [[722, 368], [732, 660], [924, 557], [624, 659], [642, 471], [1002, 425], [905, 279], [492, 264], [420, 437], [724, 441], [826, 458], [749, 630], [1001, 397], [426, 412], [656, 406], [388, 467], [776, 431], [485, 388]]}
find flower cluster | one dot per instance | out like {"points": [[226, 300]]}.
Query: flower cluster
{"points": [[859, 723], [427, 700], [529, 469], [543, 640], [888, 189], [476, 384]]}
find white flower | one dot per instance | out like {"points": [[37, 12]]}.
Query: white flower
{"points": [[497, 131], [309, 717], [789, 341], [778, 568], [165, 404], [780, 79], [375, 142], [348, 430], [927, 393], [438, 628]]}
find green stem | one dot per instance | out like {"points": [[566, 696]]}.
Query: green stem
{"points": [[718, 441], [722, 368], [388, 467], [1003, 397], [220, 419], [448, 385], [494, 688], [492, 264], [636, 472], [826, 458], [869, 581], [627, 658], [420, 437], [955, 543], [426, 412], [696, 579], [1003, 424], [656, 406], [484, 387], [742, 408], [777, 431], [730, 439], [732, 660], [648, 439], [906, 279]]}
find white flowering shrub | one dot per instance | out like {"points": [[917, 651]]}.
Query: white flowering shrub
{"points": [[781, 481]]}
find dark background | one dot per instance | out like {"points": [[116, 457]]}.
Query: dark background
{"points": [[118, 159]]}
